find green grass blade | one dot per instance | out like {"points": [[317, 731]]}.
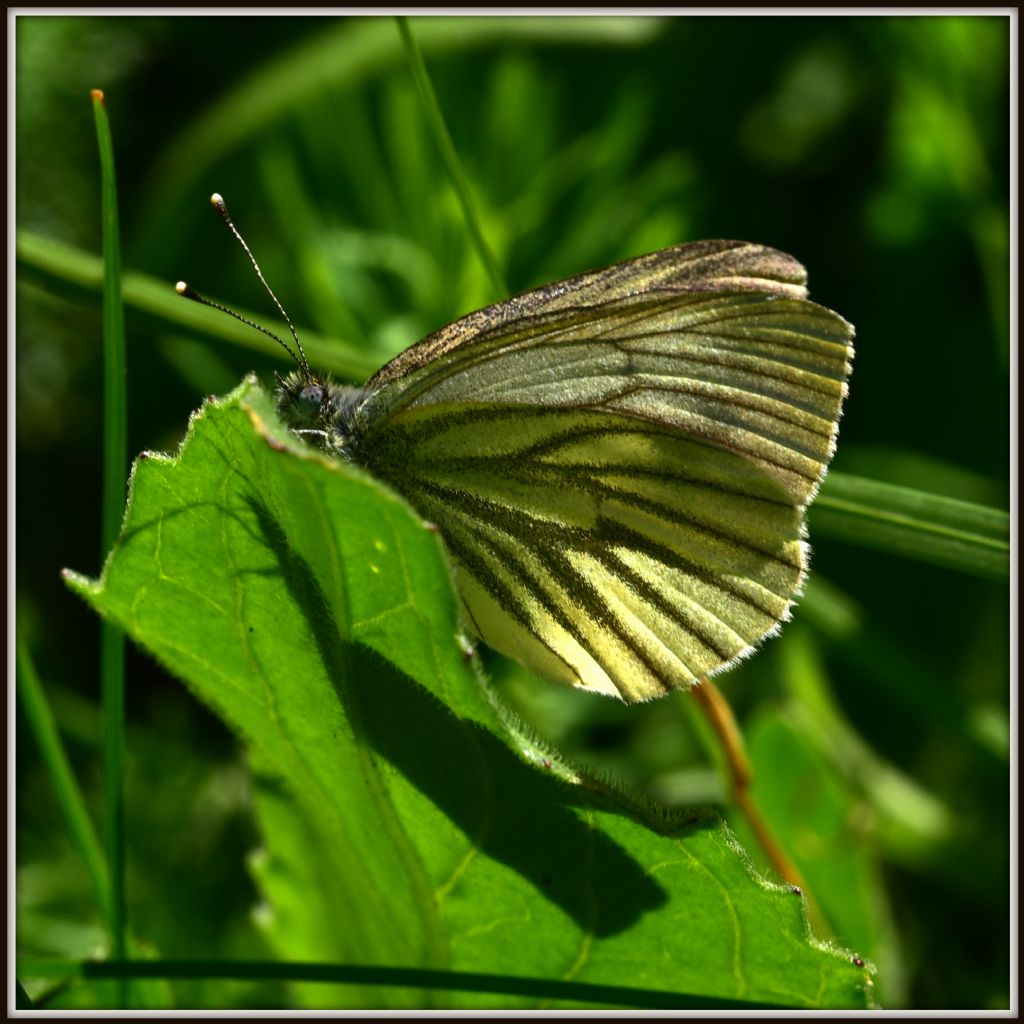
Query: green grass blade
{"points": [[115, 461], [69, 796], [63, 269], [355, 974], [115, 443], [901, 521], [449, 156]]}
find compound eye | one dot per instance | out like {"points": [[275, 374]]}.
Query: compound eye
{"points": [[309, 401]]}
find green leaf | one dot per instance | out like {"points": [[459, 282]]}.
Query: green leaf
{"points": [[928, 527], [409, 820]]}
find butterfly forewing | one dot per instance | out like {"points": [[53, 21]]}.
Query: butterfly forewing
{"points": [[738, 357], [698, 267]]}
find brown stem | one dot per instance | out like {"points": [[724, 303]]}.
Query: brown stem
{"points": [[717, 711]]}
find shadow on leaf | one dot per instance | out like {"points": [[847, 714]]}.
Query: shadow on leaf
{"points": [[510, 811]]}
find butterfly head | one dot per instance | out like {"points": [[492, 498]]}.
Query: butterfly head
{"points": [[321, 412], [300, 399]]}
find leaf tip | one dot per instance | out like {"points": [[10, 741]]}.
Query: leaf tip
{"points": [[78, 582]]}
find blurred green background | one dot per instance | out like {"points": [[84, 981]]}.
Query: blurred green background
{"points": [[875, 149]]}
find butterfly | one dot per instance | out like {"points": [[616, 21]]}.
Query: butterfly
{"points": [[619, 463]]}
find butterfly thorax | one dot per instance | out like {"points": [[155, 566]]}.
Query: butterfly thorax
{"points": [[323, 413]]}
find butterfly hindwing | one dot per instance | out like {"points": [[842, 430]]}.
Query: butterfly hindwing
{"points": [[599, 549]]}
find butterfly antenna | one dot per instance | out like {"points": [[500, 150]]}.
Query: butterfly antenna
{"points": [[217, 201], [189, 292]]}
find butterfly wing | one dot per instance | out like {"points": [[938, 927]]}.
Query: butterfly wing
{"points": [[619, 463]]}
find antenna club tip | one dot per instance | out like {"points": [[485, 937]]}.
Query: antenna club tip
{"points": [[217, 200], [97, 96], [181, 288]]}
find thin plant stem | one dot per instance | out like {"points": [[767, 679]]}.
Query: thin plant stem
{"points": [[449, 156], [69, 795], [115, 461]]}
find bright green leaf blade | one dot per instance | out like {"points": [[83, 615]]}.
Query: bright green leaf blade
{"points": [[247, 566], [928, 527]]}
